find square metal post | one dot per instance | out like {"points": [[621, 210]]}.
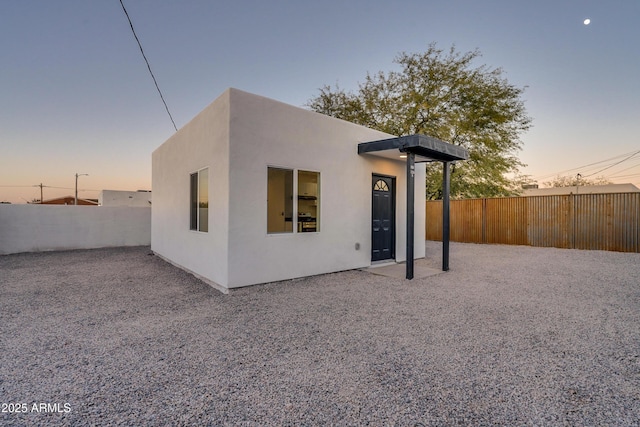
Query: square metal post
{"points": [[411, 174], [446, 178]]}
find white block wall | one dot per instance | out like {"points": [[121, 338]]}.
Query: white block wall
{"points": [[34, 228], [141, 199]]}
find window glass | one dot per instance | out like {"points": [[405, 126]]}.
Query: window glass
{"points": [[279, 200], [308, 201], [380, 185], [199, 200], [194, 202]]}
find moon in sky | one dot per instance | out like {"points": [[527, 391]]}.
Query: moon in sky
{"points": [[587, 21]]}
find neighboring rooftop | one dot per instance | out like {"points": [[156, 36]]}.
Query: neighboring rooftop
{"points": [[68, 200]]}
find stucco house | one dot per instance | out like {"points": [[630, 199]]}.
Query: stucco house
{"points": [[253, 190]]}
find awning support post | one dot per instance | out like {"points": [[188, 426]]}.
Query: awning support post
{"points": [[411, 173], [446, 178]]}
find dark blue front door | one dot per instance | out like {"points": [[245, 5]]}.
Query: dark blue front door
{"points": [[383, 218]]}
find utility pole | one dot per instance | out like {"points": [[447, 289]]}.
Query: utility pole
{"points": [[77, 175], [39, 185]]}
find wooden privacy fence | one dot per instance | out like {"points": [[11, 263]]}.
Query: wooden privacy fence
{"points": [[585, 221]]}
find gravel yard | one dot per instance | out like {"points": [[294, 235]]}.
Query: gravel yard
{"points": [[510, 336]]}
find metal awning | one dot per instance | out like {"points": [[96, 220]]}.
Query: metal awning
{"points": [[420, 148], [424, 147]]}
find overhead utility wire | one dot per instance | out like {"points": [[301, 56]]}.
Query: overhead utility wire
{"points": [[148, 66], [626, 169], [46, 186], [583, 167], [624, 176], [610, 166]]}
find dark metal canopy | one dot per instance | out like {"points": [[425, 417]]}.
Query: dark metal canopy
{"points": [[420, 148], [421, 145]]}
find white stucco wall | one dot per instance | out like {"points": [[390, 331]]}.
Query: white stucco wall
{"points": [[34, 228], [141, 199], [201, 143], [269, 133], [238, 137]]}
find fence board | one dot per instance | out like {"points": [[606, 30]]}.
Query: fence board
{"points": [[469, 214], [433, 216], [584, 221], [506, 221], [550, 221]]}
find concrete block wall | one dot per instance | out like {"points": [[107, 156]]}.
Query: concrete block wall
{"points": [[35, 228], [141, 199]]}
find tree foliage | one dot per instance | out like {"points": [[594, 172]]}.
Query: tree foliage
{"points": [[574, 181], [443, 95]]}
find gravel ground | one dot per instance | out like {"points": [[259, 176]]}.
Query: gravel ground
{"points": [[510, 336]]}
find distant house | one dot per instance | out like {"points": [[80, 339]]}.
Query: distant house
{"points": [[68, 200], [140, 198], [253, 190], [581, 189]]}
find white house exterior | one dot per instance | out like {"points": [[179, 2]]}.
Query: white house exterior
{"points": [[245, 157], [139, 199]]}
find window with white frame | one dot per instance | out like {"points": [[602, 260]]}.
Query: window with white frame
{"points": [[287, 213], [199, 200]]}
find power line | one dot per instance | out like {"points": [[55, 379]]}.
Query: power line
{"points": [[58, 188], [626, 169], [624, 176], [584, 166], [617, 163], [45, 186], [148, 66]]}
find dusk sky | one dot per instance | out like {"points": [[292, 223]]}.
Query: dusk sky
{"points": [[76, 95]]}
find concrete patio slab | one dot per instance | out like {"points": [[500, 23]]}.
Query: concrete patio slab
{"points": [[399, 270]]}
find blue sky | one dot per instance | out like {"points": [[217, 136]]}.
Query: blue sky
{"points": [[76, 96]]}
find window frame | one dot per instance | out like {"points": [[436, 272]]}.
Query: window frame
{"points": [[295, 201]]}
